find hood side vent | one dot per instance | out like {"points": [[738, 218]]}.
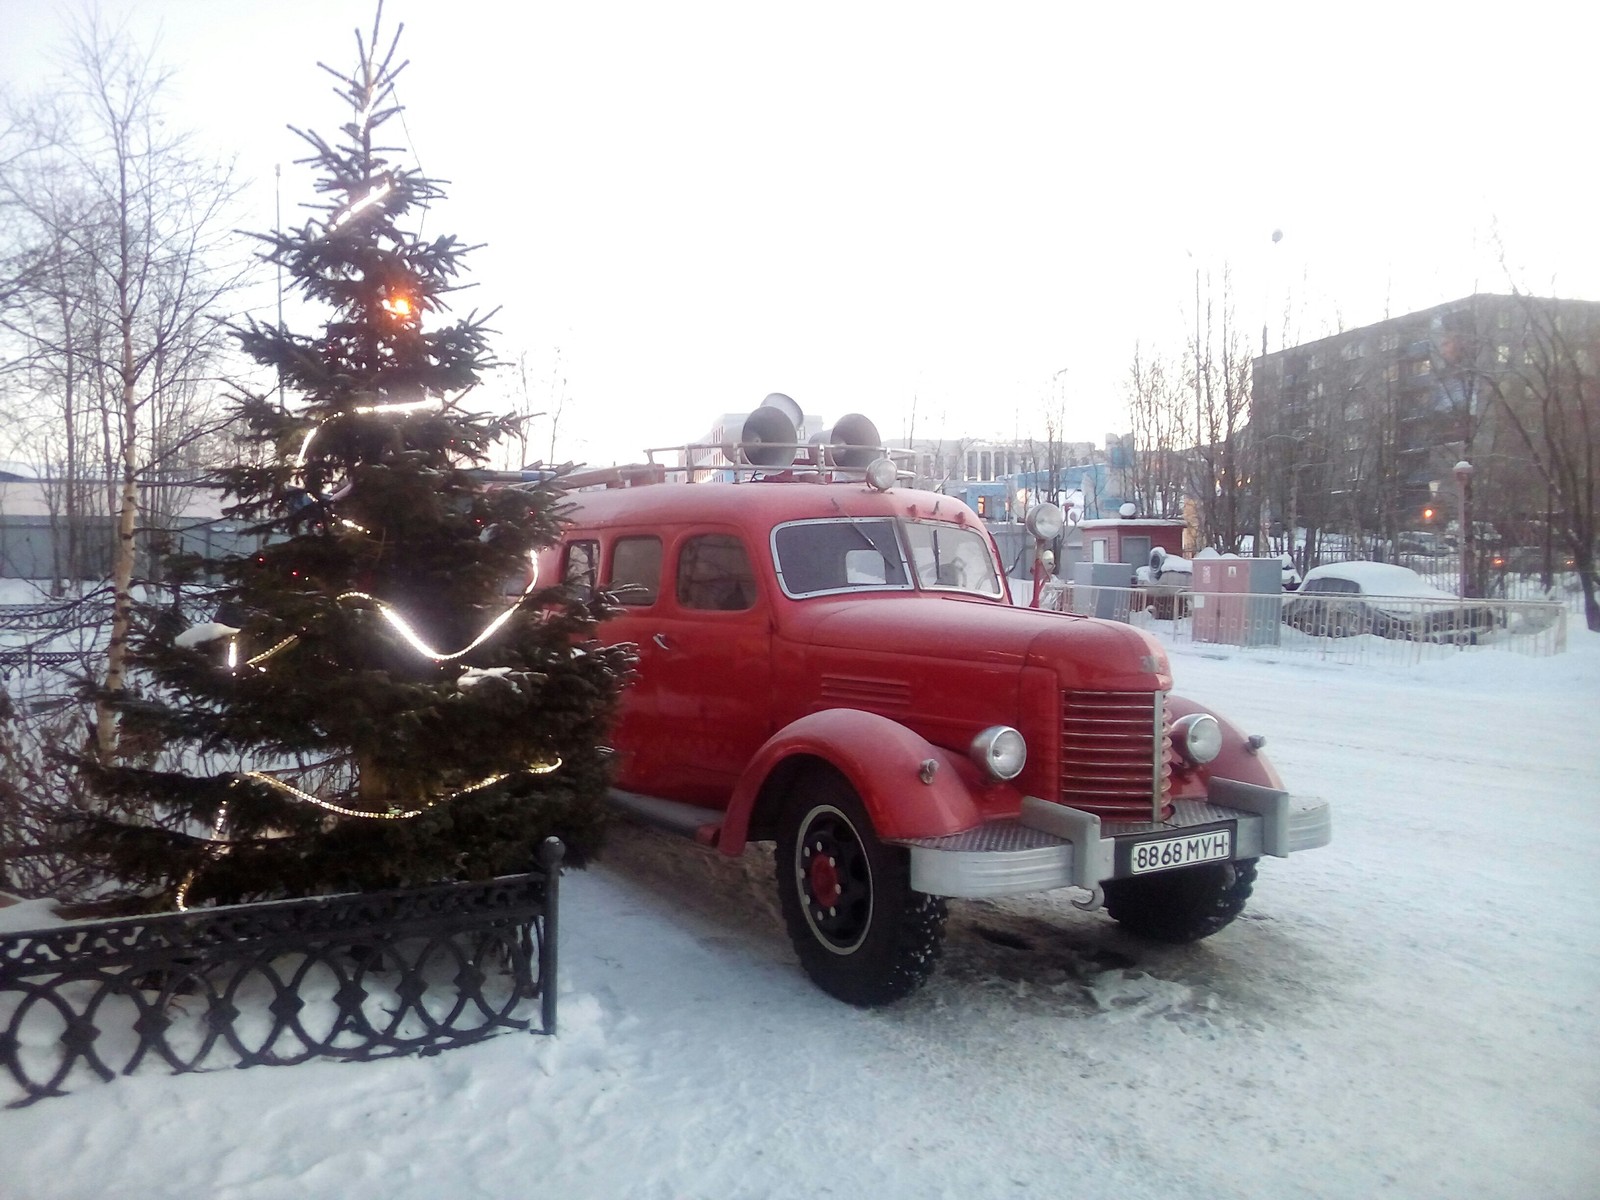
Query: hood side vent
{"points": [[853, 691]]}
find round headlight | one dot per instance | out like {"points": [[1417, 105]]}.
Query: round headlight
{"points": [[1045, 521], [1198, 737], [1000, 751], [881, 474]]}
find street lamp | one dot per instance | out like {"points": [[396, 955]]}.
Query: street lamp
{"points": [[1266, 316], [1463, 473]]}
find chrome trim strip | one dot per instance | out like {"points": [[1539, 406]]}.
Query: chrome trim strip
{"points": [[1159, 740]]}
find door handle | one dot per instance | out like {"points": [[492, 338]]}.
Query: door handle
{"points": [[660, 639]]}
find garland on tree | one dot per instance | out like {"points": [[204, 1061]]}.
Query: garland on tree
{"points": [[313, 739]]}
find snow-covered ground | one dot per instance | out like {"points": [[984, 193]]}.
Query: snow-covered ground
{"points": [[1410, 1012]]}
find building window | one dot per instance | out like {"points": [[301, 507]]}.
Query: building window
{"points": [[1390, 341], [1502, 354], [1392, 372], [1352, 351], [1314, 363], [1421, 367]]}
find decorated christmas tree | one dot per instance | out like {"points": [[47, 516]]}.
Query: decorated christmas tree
{"points": [[388, 694]]}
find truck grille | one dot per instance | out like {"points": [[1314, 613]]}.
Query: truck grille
{"points": [[1114, 758]]}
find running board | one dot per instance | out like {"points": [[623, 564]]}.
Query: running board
{"points": [[701, 824]]}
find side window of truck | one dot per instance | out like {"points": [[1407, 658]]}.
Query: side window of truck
{"points": [[714, 573], [581, 571], [636, 570]]}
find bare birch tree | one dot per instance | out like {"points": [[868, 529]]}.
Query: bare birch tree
{"points": [[1548, 394], [1219, 366], [1157, 418], [143, 243]]}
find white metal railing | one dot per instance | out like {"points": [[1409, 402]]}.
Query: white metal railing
{"points": [[1503, 575], [1338, 626]]}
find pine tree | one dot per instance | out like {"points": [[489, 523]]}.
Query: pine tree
{"points": [[372, 708]]}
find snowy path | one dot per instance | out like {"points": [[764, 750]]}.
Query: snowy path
{"points": [[1409, 1012]]}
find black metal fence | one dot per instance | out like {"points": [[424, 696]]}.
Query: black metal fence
{"points": [[354, 977]]}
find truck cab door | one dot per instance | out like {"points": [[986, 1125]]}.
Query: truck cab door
{"points": [[697, 609], [710, 657]]}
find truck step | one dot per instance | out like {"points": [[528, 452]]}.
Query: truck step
{"points": [[673, 816]]}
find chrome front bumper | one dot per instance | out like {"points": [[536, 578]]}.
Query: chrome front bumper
{"points": [[1053, 846]]}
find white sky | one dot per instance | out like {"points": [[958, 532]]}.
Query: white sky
{"points": [[861, 204]]}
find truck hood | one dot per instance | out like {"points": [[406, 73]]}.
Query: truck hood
{"points": [[967, 635]]}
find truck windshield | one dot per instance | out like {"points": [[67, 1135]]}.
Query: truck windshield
{"points": [[838, 555], [950, 558], [851, 554]]}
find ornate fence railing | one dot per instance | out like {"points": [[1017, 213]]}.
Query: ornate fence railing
{"points": [[352, 976]]}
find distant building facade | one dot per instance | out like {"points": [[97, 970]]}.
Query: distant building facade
{"points": [[1361, 430], [40, 540]]}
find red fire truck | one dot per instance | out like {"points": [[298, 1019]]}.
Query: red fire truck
{"points": [[833, 662]]}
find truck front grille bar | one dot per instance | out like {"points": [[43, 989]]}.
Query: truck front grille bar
{"points": [[1114, 754]]}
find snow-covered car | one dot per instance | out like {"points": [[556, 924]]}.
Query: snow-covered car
{"points": [[1529, 560], [1422, 541], [1164, 584], [1349, 598]]}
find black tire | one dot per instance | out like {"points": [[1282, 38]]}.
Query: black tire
{"points": [[861, 933], [1183, 905]]}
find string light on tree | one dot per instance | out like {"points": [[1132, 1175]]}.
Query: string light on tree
{"points": [[361, 205]]}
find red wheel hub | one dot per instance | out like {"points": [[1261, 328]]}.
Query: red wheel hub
{"points": [[824, 881]]}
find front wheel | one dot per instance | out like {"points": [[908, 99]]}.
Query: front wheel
{"points": [[1184, 905], [862, 934]]}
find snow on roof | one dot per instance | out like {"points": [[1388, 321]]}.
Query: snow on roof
{"points": [[1132, 523], [1380, 579]]}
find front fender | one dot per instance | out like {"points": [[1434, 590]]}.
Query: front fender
{"points": [[882, 760], [1237, 760]]}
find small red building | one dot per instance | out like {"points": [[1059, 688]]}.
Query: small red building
{"points": [[1130, 539]]}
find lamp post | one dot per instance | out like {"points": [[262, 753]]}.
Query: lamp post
{"points": [[1463, 474]]}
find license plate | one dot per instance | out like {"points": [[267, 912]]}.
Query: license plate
{"points": [[1185, 850]]}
